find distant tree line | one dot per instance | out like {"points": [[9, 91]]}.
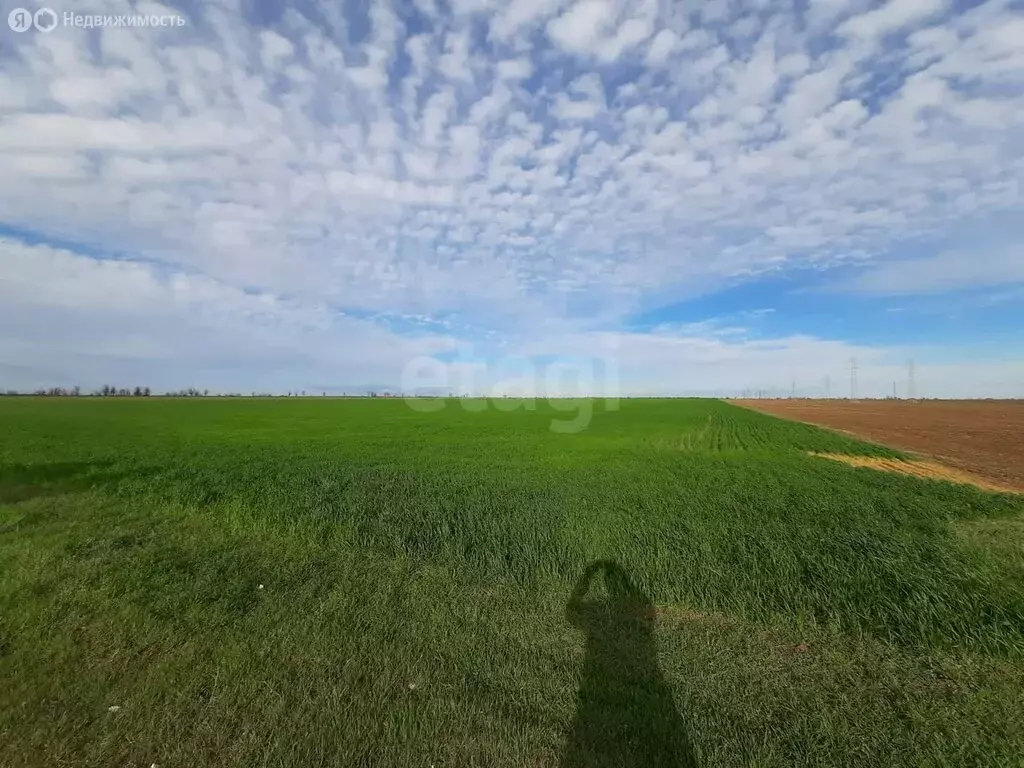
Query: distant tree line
{"points": [[105, 391], [108, 391], [190, 392]]}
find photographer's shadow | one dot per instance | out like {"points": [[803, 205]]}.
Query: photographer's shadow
{"points": [[625, 713]]}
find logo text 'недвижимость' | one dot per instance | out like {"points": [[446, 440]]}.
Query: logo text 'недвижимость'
{"points": [[47, 20]]}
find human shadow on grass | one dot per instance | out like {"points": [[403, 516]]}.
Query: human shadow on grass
{"points": [[625, 713]]}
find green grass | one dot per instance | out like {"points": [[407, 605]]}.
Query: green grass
{"points": [[752, 605]]}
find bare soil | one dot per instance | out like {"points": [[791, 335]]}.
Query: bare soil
{"points": [[983, 438]]}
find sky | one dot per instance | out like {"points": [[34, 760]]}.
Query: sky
{"points": [[515, 197]]}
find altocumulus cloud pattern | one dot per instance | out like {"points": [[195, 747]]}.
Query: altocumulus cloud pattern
{"points": [[308, 195]]}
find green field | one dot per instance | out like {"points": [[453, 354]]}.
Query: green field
{"points": [[318, 582]]}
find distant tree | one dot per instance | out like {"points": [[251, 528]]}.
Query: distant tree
{"points": [[145, 392]]}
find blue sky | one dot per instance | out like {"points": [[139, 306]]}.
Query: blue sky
{"points": [[702, 198]]}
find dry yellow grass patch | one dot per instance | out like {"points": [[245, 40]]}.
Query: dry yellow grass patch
{"points": [[929, 470]]}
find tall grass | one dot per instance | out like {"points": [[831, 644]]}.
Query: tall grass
{"points": [[415, 569]]}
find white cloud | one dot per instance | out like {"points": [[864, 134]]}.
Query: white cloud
{"points": [[128, 323], [571, 110], [579, 28], [584, 100], [630, 33], [516, 164], [947, 270], [661, 47], [521, 14], [598, 28], [275, 49], [892, 16], [455, 63], [514, 69]]}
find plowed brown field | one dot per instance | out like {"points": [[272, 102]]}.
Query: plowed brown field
{"points": [[981, 437]]}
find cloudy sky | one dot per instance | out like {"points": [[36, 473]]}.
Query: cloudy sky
{"points": [[694, 197]]}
